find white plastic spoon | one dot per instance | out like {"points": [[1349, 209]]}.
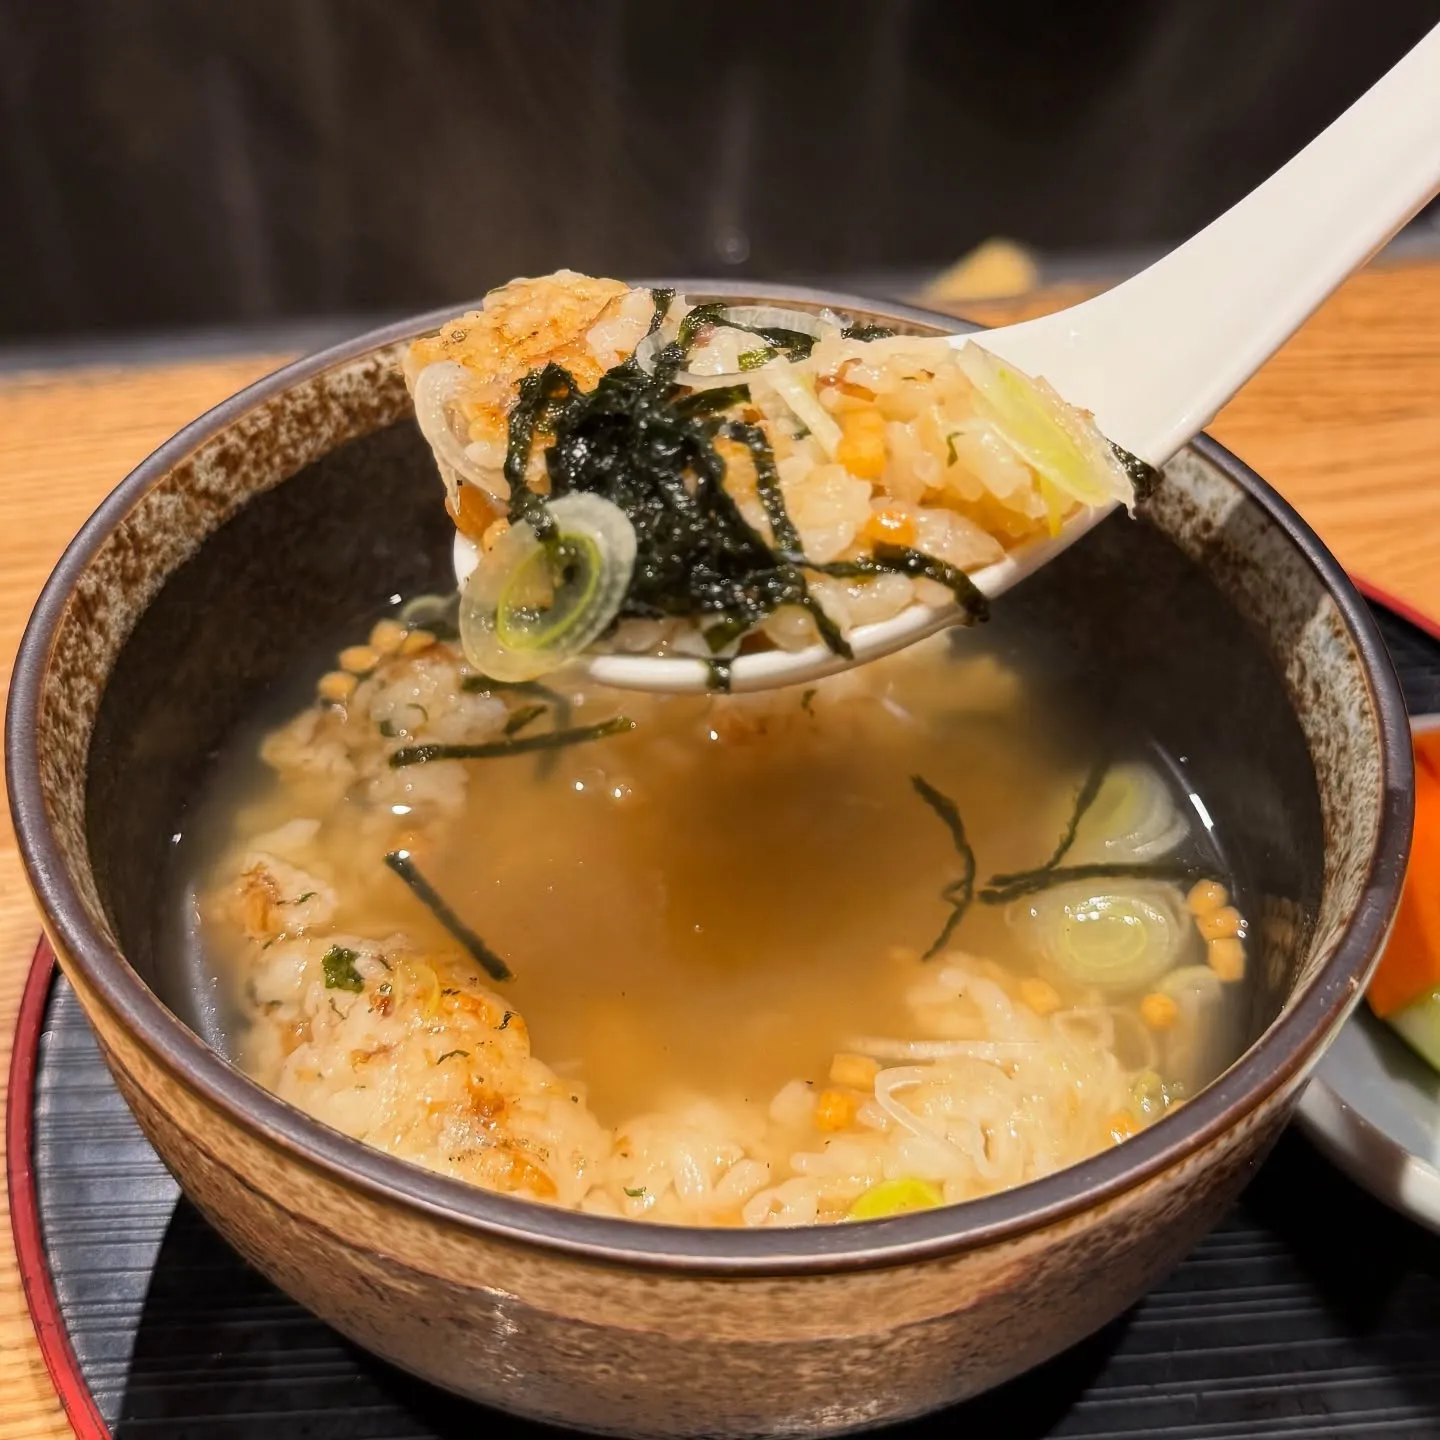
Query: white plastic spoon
{"points": [[1155, 358]]}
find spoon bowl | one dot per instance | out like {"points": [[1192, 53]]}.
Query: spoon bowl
{"points": [[772, 669]]}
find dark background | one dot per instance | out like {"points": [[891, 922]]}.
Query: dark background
{"points": [[173, 163]]}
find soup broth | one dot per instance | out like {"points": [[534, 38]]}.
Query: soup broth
{"points": [[906, 936]]}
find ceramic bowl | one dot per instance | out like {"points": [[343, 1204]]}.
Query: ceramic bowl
{"points": [[299, 507]]}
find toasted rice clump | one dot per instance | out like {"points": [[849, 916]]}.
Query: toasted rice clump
{"points": [[409, 1048], [876, 442]]}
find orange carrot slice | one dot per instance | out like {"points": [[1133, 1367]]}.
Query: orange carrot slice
{"points": [[1410, 965]]}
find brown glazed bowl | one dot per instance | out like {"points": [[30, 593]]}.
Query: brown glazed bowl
{"points": [[299, 507]]}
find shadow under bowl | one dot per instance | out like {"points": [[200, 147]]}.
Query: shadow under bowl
{"points": [[298, 508]]}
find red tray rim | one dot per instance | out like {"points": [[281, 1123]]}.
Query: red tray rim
{"points": [[53, 1338], [35, 1278]]}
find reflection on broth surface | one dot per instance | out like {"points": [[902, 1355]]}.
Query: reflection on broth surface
{"points": [[899, 939]]}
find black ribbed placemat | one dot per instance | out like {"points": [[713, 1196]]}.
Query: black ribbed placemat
{"points": [[1311, 1311]]}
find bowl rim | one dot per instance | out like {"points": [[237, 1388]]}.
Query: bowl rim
{"points": [[1282, 1055]]}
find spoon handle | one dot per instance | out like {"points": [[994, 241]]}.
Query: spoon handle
{"points": [[1156, 357]]}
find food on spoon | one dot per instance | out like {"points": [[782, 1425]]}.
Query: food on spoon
{"points": [[837, 955], [1405, 991], [633, 469]]}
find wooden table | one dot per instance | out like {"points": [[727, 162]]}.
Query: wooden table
{"points": [[1345, 421]]}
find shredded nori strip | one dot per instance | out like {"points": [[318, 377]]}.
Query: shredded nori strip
{"points": [[710, 313], [959, 893], [1143, 476], [521, 717], [483, 684], [859, 331], [517, 745], [793, 344], [767, 482], [714, 400], [644, 444], [660, 298], [1031, 882], [902, 560], [1002, 888], [401, 863], [648, 446], [542, 396], [782, 528], [1084, 799]]}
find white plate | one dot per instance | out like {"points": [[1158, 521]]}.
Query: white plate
{"points": [[1373, 1107]]}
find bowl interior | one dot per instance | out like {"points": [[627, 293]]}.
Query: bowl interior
{"points": [[1125, 628], [297, 510], [303, 563]]}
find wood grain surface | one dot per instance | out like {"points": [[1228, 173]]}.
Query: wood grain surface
{"points": [[1345, 422]]}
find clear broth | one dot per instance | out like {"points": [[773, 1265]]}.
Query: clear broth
{"points": [[710, 905]]}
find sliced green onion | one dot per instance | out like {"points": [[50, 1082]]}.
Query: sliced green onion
{"points": [[435, 613], [1133, 816], [896, 1197], [1418, 1024], [1117, 941], [531, 605], [793, 386], [439, 390], [1056, 440], [1195, 1046]]}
